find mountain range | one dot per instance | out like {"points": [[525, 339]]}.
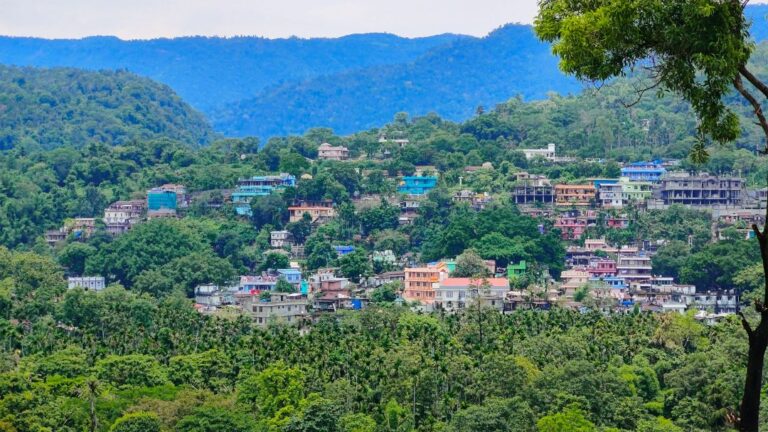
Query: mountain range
{"points": [[268, 87]]}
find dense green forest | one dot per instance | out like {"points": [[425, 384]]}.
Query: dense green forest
{"points": [[71, 107], [124, 361]]}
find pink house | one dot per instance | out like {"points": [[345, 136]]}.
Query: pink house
{"points": [[329, 152]]}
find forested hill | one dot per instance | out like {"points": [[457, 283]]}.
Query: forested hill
{"points": [[71, 107], [208, 71], [452, 81]]}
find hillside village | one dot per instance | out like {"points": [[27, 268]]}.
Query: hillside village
{"points": [[597, 271]]}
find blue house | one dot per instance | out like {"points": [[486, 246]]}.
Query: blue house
{"points": [[293, 276], [644, 171], [413, 185], [158, 199], [344, 250], [613, 282], [258, 186]]}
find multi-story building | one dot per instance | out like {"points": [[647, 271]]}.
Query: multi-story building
{"points": [[533, 189], [329, 152], [417, 185], [453, 294], [280, 308], [121, 216], [702, 190], [634, 268], [256, 284], [548, 153], [635, 191], [88, 283], [571, 227], [574, 195], [420, 283], [167, 198], [612, 195], [644, 171], [601, 267], [258, 186], [319, 212], [291, 275], [409, 208], [280, 239], [211, 296]]}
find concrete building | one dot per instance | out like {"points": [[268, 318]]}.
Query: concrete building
{"points": [[258, 186], [634, 268], [417, 185], [420, 283], [211, 296], [121, 216], [579, 195], [454, 294], [329, 152], [702, 190], [533, 189], [280, 308], [571, 228], [548, 153], [166, 199], [644, 171], [280, 239], [319, 212], [612, 195], [88, 283]]}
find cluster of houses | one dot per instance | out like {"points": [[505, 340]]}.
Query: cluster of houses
{"points": [[612, 278]]}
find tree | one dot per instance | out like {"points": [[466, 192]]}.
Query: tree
{"points": [[386, 293], [357, 423], [137, 422], [283, 286], [275, 261], [74, 255], [470, 264], [697, 49], [355, 265], [214, 419], [570, 420]]}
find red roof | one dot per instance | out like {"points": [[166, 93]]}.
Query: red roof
{"points": [[462, 282]]}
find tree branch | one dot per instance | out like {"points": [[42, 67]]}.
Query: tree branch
{"points": [[745, 324], [755, 81], [756, 107]]}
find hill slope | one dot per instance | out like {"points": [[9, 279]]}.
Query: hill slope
{"points": [[55, 107], [207, 71], [451, 80]]}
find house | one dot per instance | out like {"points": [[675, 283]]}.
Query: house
{"points": [[574, 195], [329, 152], [288, 308], [617, 222], [342, 250], [409, 208], [612, 195], [258, 186], [574, 279], [211, 296], [571, 228], [121, 216], [420, 283], [635, 191], [88, 283], [168, 197], [417, 185], [291, 275], [320, 212], [280, 239], [516, 270], [453, 294], [256, 284], [53, 237], [546, 153], [325, 280], [643, 171], [634, 268], [701, 190], [601, 267]]}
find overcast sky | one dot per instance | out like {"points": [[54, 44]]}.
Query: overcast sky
{"points": [[143, 19]]}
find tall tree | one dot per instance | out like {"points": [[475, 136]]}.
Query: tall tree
{"points": [[698, 49]]}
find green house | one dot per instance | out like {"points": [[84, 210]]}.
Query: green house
{"points": [[516, 270]]}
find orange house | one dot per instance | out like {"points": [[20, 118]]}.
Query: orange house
{"points": [[578, 195]]}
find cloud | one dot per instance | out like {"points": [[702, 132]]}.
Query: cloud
{"points": [[143, 19]]}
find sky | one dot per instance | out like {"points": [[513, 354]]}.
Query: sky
{"points": [[146, 19]]}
